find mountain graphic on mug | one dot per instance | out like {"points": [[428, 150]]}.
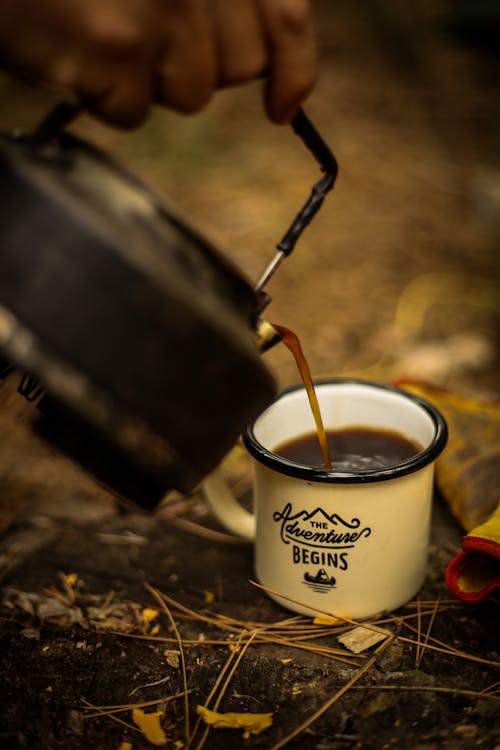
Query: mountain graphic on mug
{"points": [[320, 516], [317, 516]]}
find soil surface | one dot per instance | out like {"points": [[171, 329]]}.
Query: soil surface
{"points": [[63, 654], [397, 275]]}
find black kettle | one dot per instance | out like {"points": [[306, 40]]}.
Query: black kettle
{"points": [[140, 339]]}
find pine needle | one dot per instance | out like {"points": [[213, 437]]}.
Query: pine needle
{"points": [[265, 634], [157, 596], [491, 689], [224, 687], [421, 646], [444, 648], [222, 672], [203, 531], [419, 631], [430, 689], [109, 715], [122, 707], [344, 618], [427, 635]]}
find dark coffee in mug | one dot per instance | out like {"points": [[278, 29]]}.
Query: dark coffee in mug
{"points": [[351, 449]]}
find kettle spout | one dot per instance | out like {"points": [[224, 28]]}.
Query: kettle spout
{"points": [[268, 336]]}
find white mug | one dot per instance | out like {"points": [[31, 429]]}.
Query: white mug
{"points": [[351, 543]]}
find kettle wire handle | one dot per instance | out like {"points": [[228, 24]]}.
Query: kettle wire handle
{"points": [[58, 118], [304, 128]]}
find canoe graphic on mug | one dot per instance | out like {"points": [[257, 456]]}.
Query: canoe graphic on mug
{"points": [[320, 579]]}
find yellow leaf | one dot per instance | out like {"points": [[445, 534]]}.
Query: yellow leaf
{"points": [[126, 746], [149, 614], [286, 661], [328, 620], [250, 723], [70, 578], [209, 597], [150, 726]]}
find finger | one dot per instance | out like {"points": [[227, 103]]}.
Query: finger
{"points": [[292, 55], [125, 103], [110, 69], [240, 42], [185, 75], [117, 90]]}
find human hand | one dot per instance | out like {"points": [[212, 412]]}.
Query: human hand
{"points": [[120, 56]]}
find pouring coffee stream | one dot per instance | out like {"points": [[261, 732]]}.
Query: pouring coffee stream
{"points": [[291, 340]]}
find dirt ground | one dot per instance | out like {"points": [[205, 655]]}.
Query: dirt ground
{"points": [[398, 275]]}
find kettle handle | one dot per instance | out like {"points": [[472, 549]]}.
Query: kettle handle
{"points": [[57, 119], [306, 131], [303, 127], [226, 508]]}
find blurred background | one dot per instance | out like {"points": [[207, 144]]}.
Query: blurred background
{"points": [[398, 275]]}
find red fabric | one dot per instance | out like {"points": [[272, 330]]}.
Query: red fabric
{"points": [[475, 551]]}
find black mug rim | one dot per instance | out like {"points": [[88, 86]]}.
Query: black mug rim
{"points": [[331, 476]]}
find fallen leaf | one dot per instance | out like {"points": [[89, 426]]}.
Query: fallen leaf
{"points": [[328, 620], [126, 746], [173, 658], [25, 600], [111, 615], [58, 612], [150, 726], [69, 578], [31, 633], [250, 723], [149, 614], [124, 539], [468, 731], [209, 597], [359, 639]]}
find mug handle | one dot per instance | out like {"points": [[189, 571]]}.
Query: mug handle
{"points": [[226, 507]]}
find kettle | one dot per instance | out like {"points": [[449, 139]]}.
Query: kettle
{"points": [[137, 342]]}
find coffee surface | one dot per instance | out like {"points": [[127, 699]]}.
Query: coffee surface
{"points": [[351, 449]]}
